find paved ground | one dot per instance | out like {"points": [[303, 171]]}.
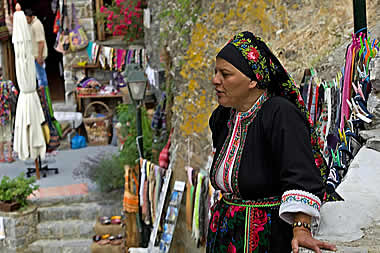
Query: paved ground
{"points": [[65, 160]]}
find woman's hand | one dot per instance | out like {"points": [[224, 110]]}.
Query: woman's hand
{"points": [[302, 237]]}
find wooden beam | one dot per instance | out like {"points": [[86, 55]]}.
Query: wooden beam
{"points": [[99, 24]]}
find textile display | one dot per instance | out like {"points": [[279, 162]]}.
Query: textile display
{"points": [[8, 100], [29, 141], [340, 110]]}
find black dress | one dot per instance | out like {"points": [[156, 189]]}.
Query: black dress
{"points": [[276, 157]]}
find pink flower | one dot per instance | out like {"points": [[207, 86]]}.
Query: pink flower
{"points": [[259, 77], [233, 209], [231, 248], [110, 16], [109, 26], [214, 222], [253, 54], [103, 9]]}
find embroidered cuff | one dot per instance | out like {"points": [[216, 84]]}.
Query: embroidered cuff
{"points": [[295, 201]]}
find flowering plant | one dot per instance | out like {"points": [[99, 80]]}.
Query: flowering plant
{"points": [[123, 17]]}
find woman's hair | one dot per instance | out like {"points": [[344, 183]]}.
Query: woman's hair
{"points": [[29, 12]]}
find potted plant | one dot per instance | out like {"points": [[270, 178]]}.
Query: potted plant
{"points": [[14, 192]]}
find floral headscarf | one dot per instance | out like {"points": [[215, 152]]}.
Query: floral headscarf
{"points": [[267, 70]]}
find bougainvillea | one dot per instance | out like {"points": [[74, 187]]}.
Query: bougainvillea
{"points": [[124, 17]]}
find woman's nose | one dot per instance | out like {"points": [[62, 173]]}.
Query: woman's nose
{"points": [[215, 80]]}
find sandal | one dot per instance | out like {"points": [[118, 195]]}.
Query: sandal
{"points": [[10, 160], [2, 160]]}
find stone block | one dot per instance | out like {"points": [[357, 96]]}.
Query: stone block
{"points": [[340, 250], [21, 231], [374, 143], [86, 230], [72, 213], [50, 214], [68, 75], [43, 231], [87, 24]]}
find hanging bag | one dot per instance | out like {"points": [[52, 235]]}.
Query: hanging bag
{"points": [[78, 37], [4, 34], [57, 22], [8, 16], [62, 42]]}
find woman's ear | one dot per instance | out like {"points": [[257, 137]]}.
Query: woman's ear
{"points": [[252, 84]]}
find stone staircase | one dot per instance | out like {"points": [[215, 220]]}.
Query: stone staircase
{"points": [[68, 226]]}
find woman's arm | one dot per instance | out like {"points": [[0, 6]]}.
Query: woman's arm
{"points": [[302, 236]]}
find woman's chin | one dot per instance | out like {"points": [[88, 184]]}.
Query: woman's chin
{"points": [[223, 102]]}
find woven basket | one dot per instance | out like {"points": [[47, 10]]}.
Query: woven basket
{"points": [[87, 91], [98, 128]]}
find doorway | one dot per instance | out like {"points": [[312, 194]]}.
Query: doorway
{"points": [[54, 66]]}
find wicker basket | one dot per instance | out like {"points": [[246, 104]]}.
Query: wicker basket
{"points": [[87, 91], [98, 128]]}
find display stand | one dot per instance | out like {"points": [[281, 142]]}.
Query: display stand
{"points": [[172, 216], [40, 169]]}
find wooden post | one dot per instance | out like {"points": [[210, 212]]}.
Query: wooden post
{"points": [[37, 163], [360, 16], [100, 25]]}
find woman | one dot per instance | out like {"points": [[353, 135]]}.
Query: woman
{"points": [[264, 163]]}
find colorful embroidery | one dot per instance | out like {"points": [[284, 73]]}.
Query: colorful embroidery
{"points": [[244, 228], [233, 147], [301, 198]]}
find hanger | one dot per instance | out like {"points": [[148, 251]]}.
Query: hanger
{"points": [[358, 90], [361, 73], [324, 85], [336, 159], [357, 111], [361, 45]]}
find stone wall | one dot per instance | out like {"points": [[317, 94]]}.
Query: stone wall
{"points": [[85, 13], [298, 42], [20, 229]]}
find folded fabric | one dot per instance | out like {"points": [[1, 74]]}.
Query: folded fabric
{"points": [[2, 231]]}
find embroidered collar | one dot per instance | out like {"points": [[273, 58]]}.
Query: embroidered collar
{"points": [[226, 168]]}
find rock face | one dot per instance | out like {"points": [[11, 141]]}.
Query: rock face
{"points": [[192, 36]]}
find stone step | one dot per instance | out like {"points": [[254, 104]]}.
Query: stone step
{"points": [[79, 211], [68, 229], [60, 246]]}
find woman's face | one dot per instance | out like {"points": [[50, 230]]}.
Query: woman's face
{"points": [[232, 87]]}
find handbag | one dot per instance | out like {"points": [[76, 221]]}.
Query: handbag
{"points": [[78, 141], [57, 22], [78, 37], [62, 41]]}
